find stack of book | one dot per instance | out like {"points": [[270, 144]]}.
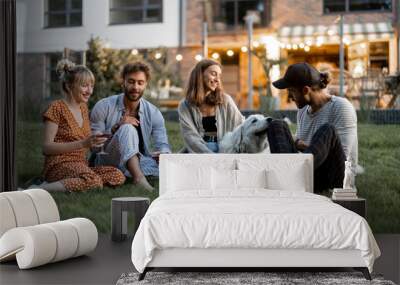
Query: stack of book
{"points": [[344, 194]]}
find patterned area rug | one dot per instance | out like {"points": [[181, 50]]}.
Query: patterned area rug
{"points": [[229, 278]]}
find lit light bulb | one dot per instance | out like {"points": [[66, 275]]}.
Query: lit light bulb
{"points": [[244, 49], [198, 57], [178, 57], [301, 45], [306, 48], [295, 47], [230, 52], [158, 55], [256, 44], [215, 55], [134, 52]]}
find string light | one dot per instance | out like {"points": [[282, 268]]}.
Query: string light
{"points": [[158, 55], [307, 48], [301, 45], [198, 57], [134, 52], [178, 57], [288, 46], [256, 44], [230, 52], [244, 49], [215, 55], [295, 47]]}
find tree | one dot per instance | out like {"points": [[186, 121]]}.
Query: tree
{"points": [[267, 103], [106, 64]]}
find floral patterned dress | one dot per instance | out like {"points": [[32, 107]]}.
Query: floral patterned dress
{"points": [[72, 168]]}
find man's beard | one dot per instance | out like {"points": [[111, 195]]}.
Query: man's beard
{"points": [[131, 97]]}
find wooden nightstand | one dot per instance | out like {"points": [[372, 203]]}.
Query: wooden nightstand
{"points": [[358, 205]]}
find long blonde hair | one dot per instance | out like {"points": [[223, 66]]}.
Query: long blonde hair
{"points": [[195, 93]]}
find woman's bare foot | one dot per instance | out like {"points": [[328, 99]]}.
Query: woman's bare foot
{"points": [[142, 182]]}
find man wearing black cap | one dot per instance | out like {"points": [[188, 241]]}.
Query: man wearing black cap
{"points": [[326, 126]]}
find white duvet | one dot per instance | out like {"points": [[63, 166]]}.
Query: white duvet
{"points": [[257, 218]]}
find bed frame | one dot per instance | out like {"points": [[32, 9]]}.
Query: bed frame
{"points": [[242, 259]]}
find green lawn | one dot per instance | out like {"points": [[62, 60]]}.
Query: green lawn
{"points": [[379, 154]]}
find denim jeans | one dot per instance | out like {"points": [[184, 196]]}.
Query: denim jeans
{"points": [[213, 146]]}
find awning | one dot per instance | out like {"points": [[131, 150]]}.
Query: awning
{"points": [[312, 34]]}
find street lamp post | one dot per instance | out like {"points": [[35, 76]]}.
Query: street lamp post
{"points": [[250, 19], [204, 34], [341, 58]]}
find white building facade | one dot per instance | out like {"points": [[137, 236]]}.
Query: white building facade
{"points": [[52, 25], [46, 28]]}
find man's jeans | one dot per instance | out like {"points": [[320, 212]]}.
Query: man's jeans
{"points": [[325, 146]]}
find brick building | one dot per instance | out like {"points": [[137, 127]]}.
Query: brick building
{"points": [[288, 31], [291, 31]]}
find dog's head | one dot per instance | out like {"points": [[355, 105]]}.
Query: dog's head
{"points": [[249, 137], [254, 131]]}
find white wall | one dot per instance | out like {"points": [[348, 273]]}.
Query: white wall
{"points": [[33, 37]]}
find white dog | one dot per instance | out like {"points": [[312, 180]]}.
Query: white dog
{"points": [[249, 137]]}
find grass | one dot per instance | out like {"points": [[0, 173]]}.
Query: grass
{"points": [[379, 154]]}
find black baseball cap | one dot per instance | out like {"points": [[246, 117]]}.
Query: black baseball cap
{"points": [[298, 75]]}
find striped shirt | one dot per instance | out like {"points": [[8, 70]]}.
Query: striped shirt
{"points": [[338, 112]]}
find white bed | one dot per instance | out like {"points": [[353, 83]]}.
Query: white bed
{"points": [[247, 210]]}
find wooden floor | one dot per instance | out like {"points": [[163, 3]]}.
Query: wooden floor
{"points": [[110, 260]]}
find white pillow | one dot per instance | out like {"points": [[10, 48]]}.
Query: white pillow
{"points": [[251, 179], [188, 177], [289, 174], [281, 180], [224, 179]]}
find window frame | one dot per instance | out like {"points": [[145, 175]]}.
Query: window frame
{"points": [[347, 9], [237, 27], [143, 8], [66, 13]]}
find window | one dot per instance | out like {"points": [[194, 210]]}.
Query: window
{"points": [[337, 6], [63, 13], [229, 14], [135, 11]]}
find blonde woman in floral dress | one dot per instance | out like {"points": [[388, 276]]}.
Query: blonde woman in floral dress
{"points": [[67, 136]]}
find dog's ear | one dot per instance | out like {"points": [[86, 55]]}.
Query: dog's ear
{"points": [[241, 145]]}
